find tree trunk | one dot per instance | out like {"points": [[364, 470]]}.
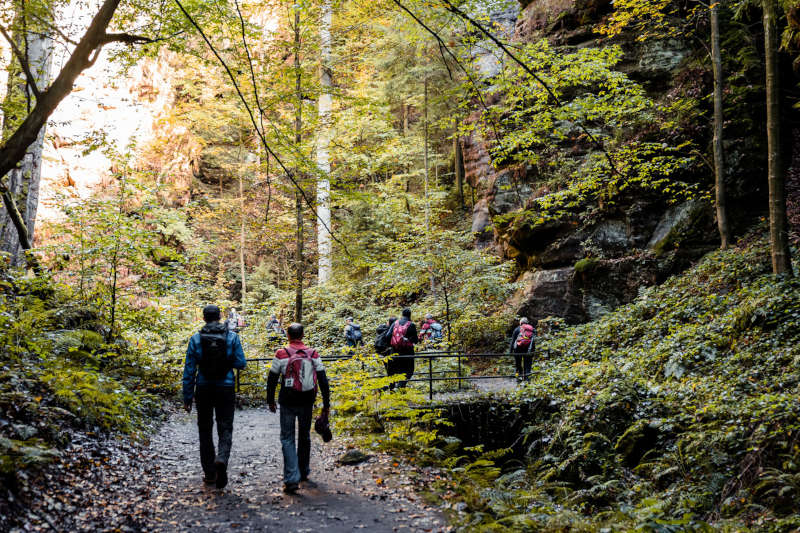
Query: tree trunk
{"points": [[16, 146], [458, 165], [719, 163], [23, 180], [242, 237], [427, 170], [298, 137], [323, 156], [779, 236]]}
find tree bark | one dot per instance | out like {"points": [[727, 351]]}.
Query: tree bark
{"points": [[323, 155], [243, 270], [298, 137], [15, 148], [779, 235], [458, 164], [719, 163], [23, 181]]}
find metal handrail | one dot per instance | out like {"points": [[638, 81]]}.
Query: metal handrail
{"points": [[429, 355]]}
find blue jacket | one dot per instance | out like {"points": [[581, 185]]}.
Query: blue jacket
{"points": [[191, 372]]}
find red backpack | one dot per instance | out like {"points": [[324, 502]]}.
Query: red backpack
{"points": [[300, 374], [399, 339], [525, 335]]}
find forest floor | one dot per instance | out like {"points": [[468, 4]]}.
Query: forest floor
{"points": [[158, 487]]}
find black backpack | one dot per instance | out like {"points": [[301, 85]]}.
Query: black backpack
{"points": [[214, 363], [382, 339], [355, 333]]}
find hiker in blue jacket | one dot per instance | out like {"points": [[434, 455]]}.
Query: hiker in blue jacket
{"points": [[208, 379]]}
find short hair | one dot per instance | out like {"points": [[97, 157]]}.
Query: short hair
{"points": [[428, 316], [211, 313], [392, 320], [295, 331], [407, 312], [523, 320], [348, 319]]}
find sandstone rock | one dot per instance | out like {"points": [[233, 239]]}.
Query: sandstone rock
{"points": [[482, 222], [550, 293], [676, 221], [508, 193]]}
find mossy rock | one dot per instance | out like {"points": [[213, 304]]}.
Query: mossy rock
{"points": [[586, 264], [353, 457], [638, 439], [163, 255]]}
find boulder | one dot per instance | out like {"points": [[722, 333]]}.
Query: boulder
{"points": [[482, 223], [675, 224], [353, 457], [547, 293]]}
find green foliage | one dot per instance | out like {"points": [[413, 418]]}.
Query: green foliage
{"points": [[672, 413]]}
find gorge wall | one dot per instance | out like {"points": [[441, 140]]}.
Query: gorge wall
{"points": [[580, 267]]}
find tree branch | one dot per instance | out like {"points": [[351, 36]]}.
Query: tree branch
{"points": [[23, 62]]}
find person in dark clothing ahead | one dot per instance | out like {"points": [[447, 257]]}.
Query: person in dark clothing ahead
{"points": [[522, 341], [403, 336], [208, 379], [300, 371]]}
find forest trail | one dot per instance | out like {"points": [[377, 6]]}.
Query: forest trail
{"points": [[372, 496]]}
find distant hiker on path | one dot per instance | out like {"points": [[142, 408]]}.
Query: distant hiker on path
{"points": [[352, 334], [235, 321], [522, 341], [300, 371], [431, 330], [208, 379], [274, 326], [403, 337]]}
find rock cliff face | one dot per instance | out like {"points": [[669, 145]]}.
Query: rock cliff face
{"points": [[579, 269]]}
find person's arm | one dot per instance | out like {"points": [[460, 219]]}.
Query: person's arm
{"points": [[239, 360], [275, 371], [514, 336], [533, 342], [411, 334], [272, 384], [322, 381], [190, 374], [324, 388]]}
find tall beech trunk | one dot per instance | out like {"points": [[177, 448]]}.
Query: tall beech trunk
{"points": [[242, 239], [458, 165], [23, 180], [779, 235], [323, 149], [298, 137], [13, 151], [719, 163]]}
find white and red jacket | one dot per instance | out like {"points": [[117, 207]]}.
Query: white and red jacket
{"points": [[289, 396]]}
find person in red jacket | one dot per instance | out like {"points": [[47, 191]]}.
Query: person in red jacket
{"points": [[300, 371], [522, 344]]}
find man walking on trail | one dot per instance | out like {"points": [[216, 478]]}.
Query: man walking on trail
{"points": [[208, 379], [352, 334], [300, 371], [403, 338], [522, 341]]}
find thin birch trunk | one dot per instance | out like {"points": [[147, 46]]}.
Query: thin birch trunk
{"points": [[323, 155]]}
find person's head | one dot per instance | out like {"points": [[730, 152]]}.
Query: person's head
{"points": [[523, 320], [392, 320], [295, 331], [407, 313], [428, 316], [211, 313], [274, 317], [349, 320]]}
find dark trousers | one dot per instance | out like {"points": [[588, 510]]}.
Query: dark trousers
{"points": [[211, 400], [400, 365], [296, 460], [522, 355]]}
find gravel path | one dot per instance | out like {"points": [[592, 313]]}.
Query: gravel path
{"points": [[373, 496]]}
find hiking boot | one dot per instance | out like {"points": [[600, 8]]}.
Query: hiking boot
{"points": [[222, 474], [308, 483], [210, 479], [290, 488]]}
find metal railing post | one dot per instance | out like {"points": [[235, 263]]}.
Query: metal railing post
{"points": [[459, 370], [430, 378]]}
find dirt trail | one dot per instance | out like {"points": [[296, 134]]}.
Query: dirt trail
{"points": [[363, 497]]}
